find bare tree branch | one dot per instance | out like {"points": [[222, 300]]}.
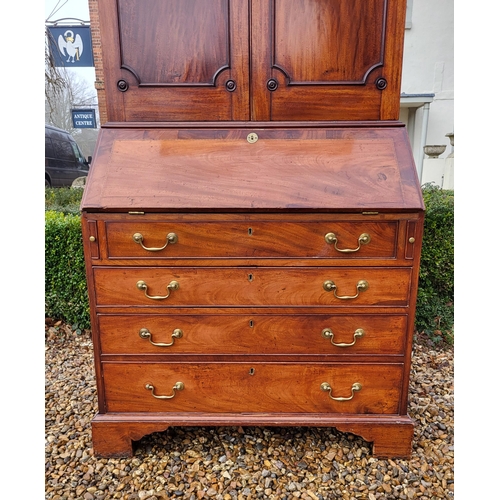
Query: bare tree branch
{"points": [[54, 80]]}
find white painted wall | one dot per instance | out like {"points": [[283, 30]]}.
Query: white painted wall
{"points": [[428, 68]]}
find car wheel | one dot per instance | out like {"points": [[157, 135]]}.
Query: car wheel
{"points": [[47, 183]]}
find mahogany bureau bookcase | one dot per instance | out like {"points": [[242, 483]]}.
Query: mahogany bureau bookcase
{"points": [[252, 220]]}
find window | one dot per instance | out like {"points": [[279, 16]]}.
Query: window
{"points": [[78, 153], [63, 150], [49, 148]]}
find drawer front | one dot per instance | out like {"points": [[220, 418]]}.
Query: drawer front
{"points": [[252, 334], [320, 286], [245, 387], [259, 239]]}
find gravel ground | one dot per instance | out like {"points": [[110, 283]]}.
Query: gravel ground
{"points": [[228, 463]]}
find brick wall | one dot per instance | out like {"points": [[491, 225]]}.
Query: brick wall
{"points": [[97, 50]]}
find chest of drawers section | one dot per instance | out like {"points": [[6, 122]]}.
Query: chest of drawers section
{"points": [[252, 319]]}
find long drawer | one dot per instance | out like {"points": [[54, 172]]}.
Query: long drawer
{"points": [[245, 387], [306, 286], [252, 334], [254, 238]]}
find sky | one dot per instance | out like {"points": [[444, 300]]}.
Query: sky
{"points": [[67, 8]]}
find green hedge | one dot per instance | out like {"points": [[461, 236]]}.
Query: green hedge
{"points": [[65, 282], [434, 314], [66, 296]]}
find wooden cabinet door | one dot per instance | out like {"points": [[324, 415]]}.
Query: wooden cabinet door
{"points": [[175, 60], [261, 60], [326, 59]]}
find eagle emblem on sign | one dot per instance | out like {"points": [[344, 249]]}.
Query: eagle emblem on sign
{"points": [[70, 46]]}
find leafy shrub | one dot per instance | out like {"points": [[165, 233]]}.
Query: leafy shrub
{"points": [[66, 294], [66, 200], [434, 314]]}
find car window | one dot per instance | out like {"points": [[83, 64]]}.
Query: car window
{"points": [[63, 150], [49, 148], [78, 153]]}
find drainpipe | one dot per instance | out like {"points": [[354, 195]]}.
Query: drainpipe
{"points": [[423, 139]]}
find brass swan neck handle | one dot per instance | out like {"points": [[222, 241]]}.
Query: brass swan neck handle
{"points": [[325, 386], [142, 285], [330, 286], [179, 386], [327, 333], [171, 238], [331, 239], [144, 333]]}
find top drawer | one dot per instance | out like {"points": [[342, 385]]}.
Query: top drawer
{"points": [[251, 239]]}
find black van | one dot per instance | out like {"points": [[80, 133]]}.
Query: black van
{"points": [[64, 161]]}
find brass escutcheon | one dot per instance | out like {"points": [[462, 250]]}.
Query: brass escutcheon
{"points": [[252, 137]]}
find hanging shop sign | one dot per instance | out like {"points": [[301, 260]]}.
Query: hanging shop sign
{"points": [[83, 118], [71, 46]]}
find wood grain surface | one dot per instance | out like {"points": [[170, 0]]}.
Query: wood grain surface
{"points": [[257, 387], [252, 334], [251, 239], [325, 58], [218, 169], [226, 287]]}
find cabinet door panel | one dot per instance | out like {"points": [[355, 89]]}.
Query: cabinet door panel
{"points": [[327, 59], [173, 48], [335, 51], [175, 57]]}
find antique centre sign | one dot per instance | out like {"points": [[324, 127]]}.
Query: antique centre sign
{"points": [[83, 118]]}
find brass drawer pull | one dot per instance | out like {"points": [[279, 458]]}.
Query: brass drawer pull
{"points": [[364, 239], [325, 386], [171, 238], [173, 285], [179, 386], [328, 334], [330, 286], [144, 333]]}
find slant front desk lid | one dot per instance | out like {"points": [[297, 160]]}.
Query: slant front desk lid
{"points": [[252, 169]]}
